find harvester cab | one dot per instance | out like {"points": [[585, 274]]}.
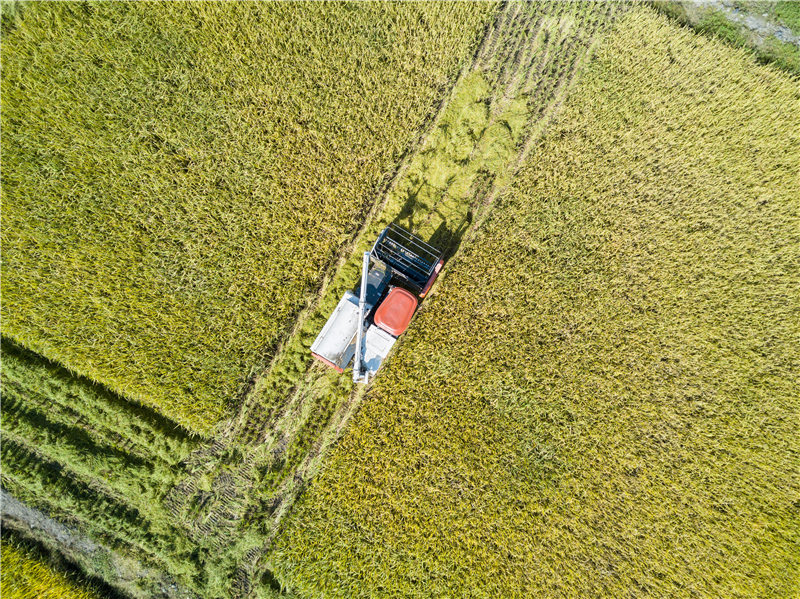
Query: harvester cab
{"points": [[395, 275]]}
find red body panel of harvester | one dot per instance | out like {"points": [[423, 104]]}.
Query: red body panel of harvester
{"points": [[395, 312]]}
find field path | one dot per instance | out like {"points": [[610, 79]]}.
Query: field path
{"points": [[121, 572], [759, 25]]}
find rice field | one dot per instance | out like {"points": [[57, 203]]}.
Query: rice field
{"points": [[84, 455], [498, 107], [177, 177], [600, 399], [94, 462]]}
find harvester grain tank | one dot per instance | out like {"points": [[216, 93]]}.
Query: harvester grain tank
{"points": [[396, 274]]}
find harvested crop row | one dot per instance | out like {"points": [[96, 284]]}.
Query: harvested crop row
{"points": [[177, 177], [142, 482], [118, 500], [600, 399], [94, 460], [48, 485], [107, 451]]}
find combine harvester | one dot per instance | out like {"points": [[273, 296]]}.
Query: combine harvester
{"points": [[395, 275]]}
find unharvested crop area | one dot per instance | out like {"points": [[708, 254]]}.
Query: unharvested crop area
{"points": [[601, 397], [178, 176], [24, 576], [499, 106]]}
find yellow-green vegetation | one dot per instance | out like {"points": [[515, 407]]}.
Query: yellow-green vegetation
{"points": [[178, 176], [115, 473], [94, 461], [498, 107], [24, 576], [788, 13], [74, 402], [600, 400]]}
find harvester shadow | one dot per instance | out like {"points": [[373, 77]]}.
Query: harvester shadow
{"points": [[448, 236], [412, 204], [455, 224]]}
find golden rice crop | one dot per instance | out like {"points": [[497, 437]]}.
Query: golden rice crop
{"points": [[177, 176], [600, 400], [24, 576]]}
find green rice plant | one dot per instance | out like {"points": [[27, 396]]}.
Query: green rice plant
{"points": [[783, 54], [143, 483], [600, 398], [177, 177], [23, 575], [97, 511], [717, 24], [73, 401]]}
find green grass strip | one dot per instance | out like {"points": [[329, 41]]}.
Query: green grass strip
{"points": [[74, 401]]}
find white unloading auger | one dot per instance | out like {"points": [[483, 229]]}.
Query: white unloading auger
{"points": [[362, 298]]}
